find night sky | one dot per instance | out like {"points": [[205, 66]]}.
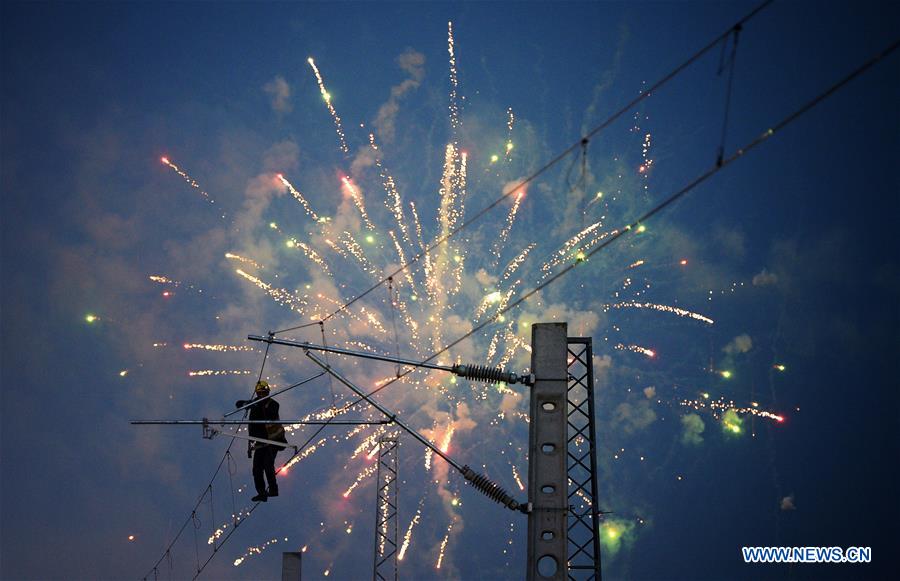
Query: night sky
{"points": [[745, 338]]}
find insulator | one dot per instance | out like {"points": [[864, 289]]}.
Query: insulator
{"points": [[485, 373], [490, 489]]}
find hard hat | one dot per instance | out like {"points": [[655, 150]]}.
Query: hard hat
{"points": [[262, 385]]}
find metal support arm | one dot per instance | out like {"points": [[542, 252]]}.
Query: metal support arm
{"points": [[476, 372]]}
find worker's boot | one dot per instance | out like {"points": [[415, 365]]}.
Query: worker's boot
{"points": [[273, 491], [261, 497]]}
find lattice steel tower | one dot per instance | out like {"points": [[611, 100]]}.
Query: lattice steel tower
{"points": [[581, 464], [387, 495]]}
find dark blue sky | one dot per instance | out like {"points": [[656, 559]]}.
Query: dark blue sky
{"points": [[791, 250]]}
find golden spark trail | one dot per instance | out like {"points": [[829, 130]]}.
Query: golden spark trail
{"points": [[459, 254], [644, 168], [310, 253], [510, 219], [509, 128], [217, 534], [402, 256], [163, 280], [299, 197], [514, 343], [393, 202], [720, 406], [340, 251], [441, 267], [309, 451], [664, 309], [213, 372], [445, 444], [443, 547], [636, 264], [446, 213], [327, 97], [593, 242], [408, 536], [221, 348], [279, 295], [255, 550], [411, 324], [243, 259], [367, 471], [489, 299], [516, 262], [508, 352], [516, 477], [363, 347], [191, 181], [368, 443], [564, 251], [427, 267], [353, 247], [521, 343], [454, 82], [356, 195], [636, 349], [504, 299], [492, 348], [582, 495]]}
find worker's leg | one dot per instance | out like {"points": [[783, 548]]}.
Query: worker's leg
{"points": [[260, 456], [270, 471]]}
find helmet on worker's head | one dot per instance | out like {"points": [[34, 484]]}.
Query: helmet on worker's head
{"points": [[262, 387]]}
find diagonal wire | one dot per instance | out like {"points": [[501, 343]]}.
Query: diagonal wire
{"points": [[730, 64], [393, 323], [325, 342]]}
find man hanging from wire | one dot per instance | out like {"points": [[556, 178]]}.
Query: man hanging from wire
{"points": [[263, 454]]}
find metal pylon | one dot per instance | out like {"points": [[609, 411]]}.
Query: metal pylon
{"points": [[387, 494], [581, 464]]}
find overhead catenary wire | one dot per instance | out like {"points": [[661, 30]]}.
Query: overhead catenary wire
{"points": [[543, 169], [738, 153]]}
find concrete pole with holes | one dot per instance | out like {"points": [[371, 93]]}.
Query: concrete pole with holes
{"points": [[547, 484]]}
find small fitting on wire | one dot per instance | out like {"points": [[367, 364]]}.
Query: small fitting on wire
{"points": [[208, 432]]}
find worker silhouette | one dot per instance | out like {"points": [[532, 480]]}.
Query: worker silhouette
{"points": [[263, 454]]}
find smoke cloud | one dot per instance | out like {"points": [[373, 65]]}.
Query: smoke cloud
{"points": [[280, 94]]}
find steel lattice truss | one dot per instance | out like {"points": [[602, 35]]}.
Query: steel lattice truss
{"points": [[581, 448], [385, 561]]}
